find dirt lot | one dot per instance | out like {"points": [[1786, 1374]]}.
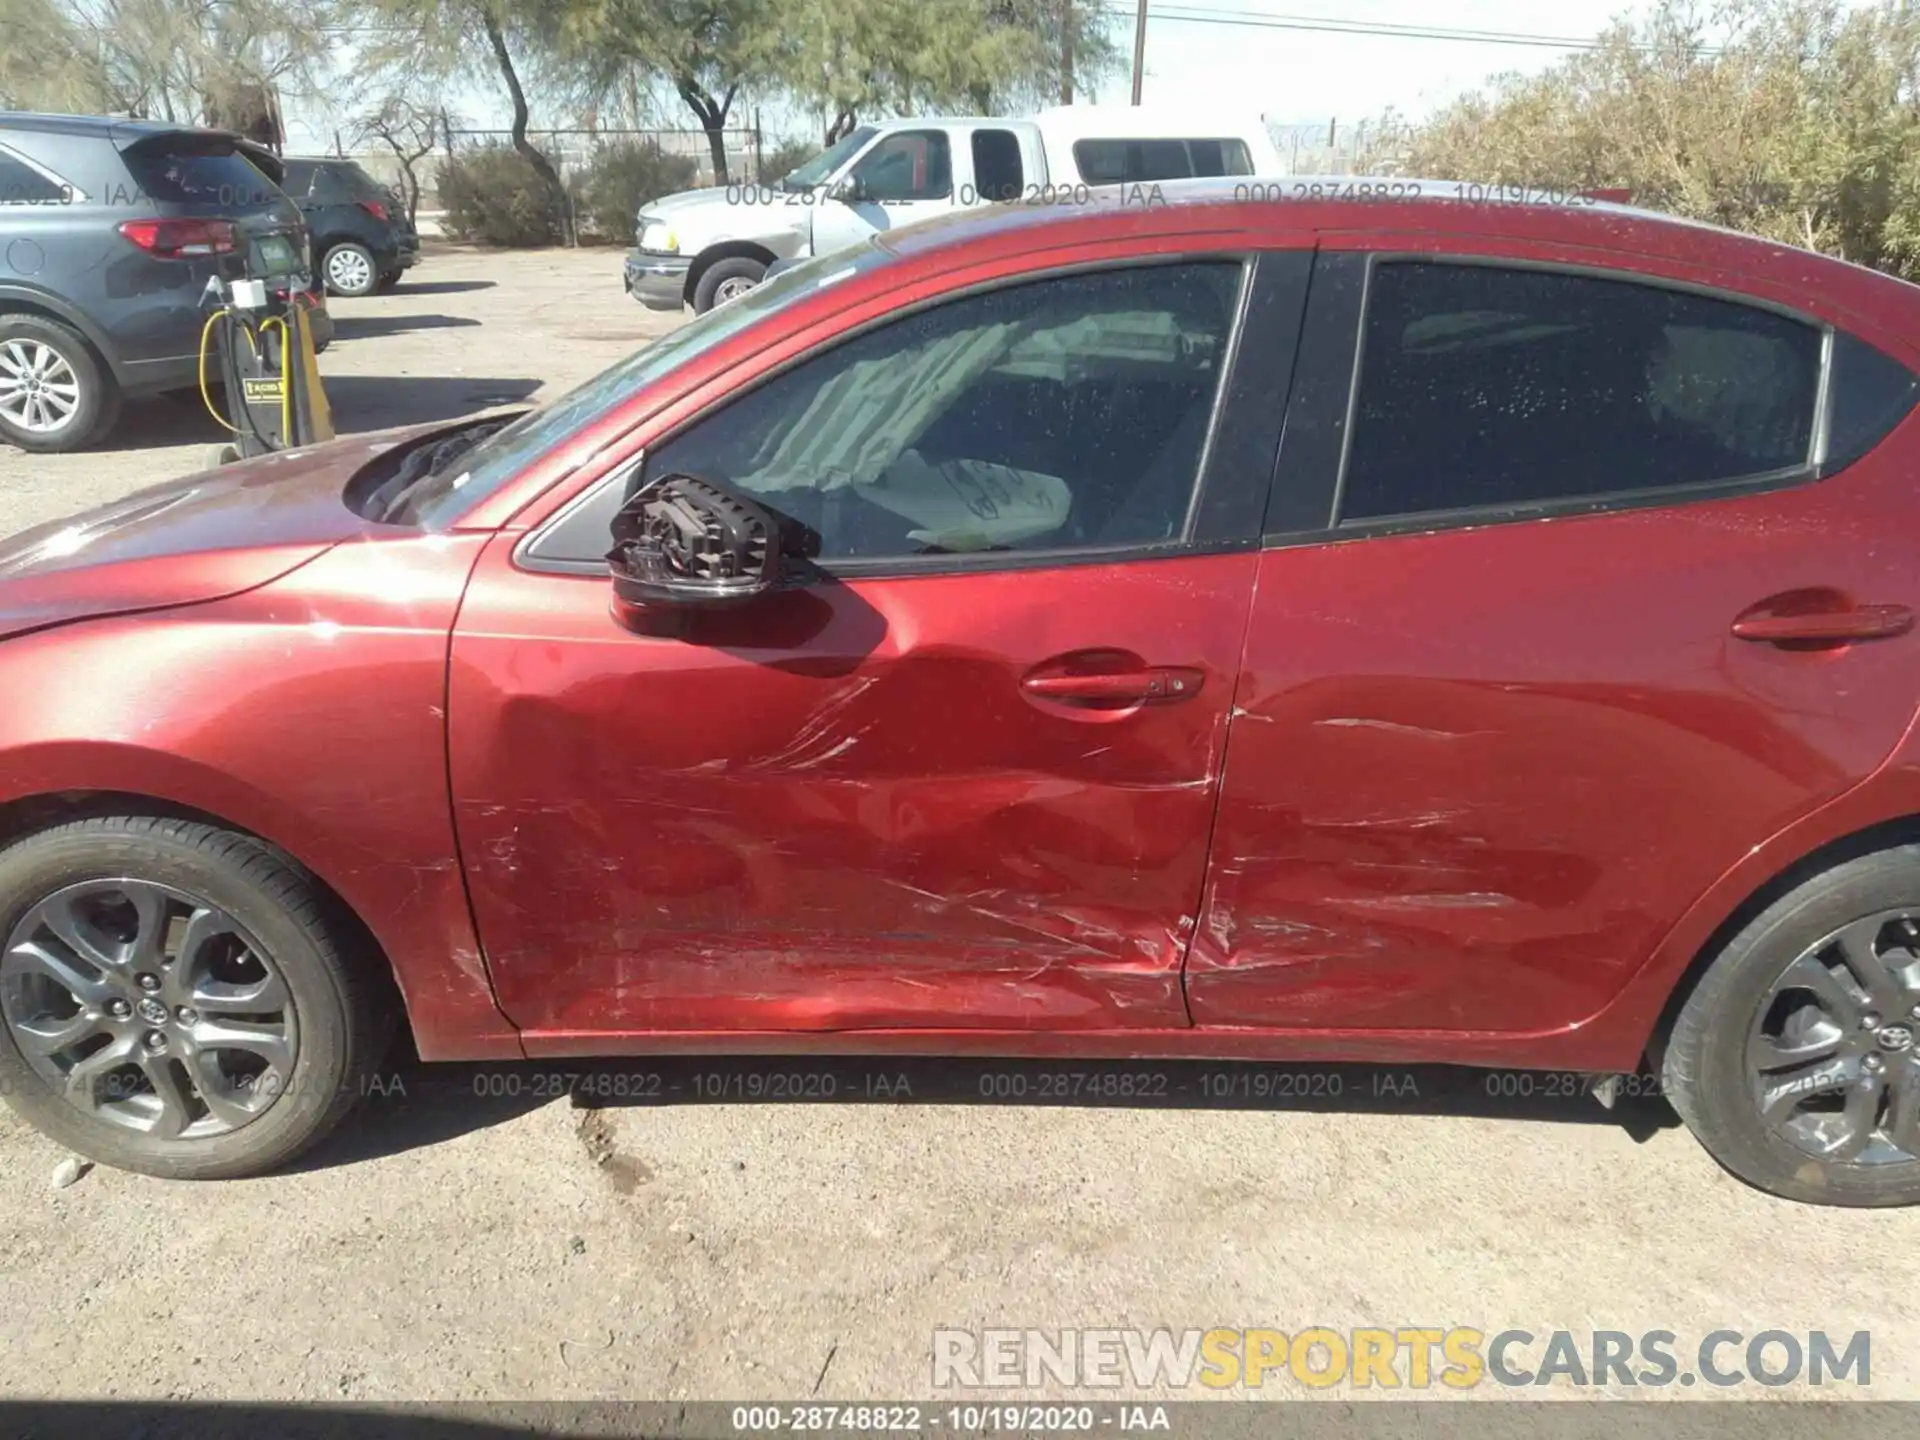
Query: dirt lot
{"points": [[471, 1235]]}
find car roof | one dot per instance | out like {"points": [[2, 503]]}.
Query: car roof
{"points": [[1329, 205], [113, 127], [1302, 201]]}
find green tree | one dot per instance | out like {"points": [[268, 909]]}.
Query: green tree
{"points": [[858, 59], [426, 44], [708, 51], [1798, 120]]}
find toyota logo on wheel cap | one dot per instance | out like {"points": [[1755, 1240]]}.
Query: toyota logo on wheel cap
{"points": [[1896, 1037], [152, 1011]]}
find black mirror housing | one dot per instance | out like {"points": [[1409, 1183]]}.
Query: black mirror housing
{"points": [[685, 541]]}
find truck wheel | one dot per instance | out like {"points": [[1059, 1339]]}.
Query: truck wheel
{"points": [[1794, 1060], [54, 395], [177, 999], [349, 269], [726, 280]]}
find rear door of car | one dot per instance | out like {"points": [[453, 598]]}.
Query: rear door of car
{"points": [[965, 778], [1535, 656]]}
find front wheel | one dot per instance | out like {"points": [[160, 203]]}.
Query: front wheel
{"points": [[1795, 1059], [177, 1000], [726, 280]]}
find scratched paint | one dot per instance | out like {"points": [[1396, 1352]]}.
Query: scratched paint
{"points": [[869, 826]]}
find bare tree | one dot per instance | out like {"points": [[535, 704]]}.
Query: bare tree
{"points": [[410, 131]]}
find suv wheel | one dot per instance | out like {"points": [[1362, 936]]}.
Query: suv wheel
{"points": [[726, 280], [176, 999], [350, 270], [1796, 1060], [54, 396]]}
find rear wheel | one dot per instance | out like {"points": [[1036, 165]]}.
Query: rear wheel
{"points": [[177, 1000], [1795, 1059], [54, 395], [349, 269]]}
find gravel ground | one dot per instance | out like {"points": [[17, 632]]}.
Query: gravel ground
{"points": [[471, 1235]]}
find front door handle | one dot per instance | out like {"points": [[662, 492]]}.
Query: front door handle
{"points": [[1832, 627], [1115, 688]]}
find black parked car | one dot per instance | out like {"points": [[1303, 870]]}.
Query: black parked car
{"points": [[109, 232], [362, 239]]}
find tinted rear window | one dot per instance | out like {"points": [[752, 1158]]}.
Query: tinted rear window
{"points": [[183, 176], [1483, 386], [1117, 162]]}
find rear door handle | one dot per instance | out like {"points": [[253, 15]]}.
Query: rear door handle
{"points": [[1860, 622], [1115, 687]]}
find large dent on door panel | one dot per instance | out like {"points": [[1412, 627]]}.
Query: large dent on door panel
{"points": [[874, 830]]}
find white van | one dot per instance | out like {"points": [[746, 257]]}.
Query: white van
{"points": [[702, 247]]}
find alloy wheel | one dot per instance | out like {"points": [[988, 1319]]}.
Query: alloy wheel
{"points": [[39, 391], [148, 1008], [1833, 1054], [349, 270]]}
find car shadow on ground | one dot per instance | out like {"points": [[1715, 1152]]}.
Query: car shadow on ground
{"points": [[359, 403], [367, 327], [441, 287], [410, 1104]]}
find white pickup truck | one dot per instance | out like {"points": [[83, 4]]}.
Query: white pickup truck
{"points": [[703, 247]]}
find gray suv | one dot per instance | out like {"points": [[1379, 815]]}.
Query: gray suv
{"points": [[109, 232]]}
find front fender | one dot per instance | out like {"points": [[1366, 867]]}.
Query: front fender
{"points": [[310, 713]]}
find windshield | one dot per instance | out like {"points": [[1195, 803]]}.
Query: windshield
{"points": [[819, 170], [439, 497]]}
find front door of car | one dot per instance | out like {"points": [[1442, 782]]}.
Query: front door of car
{"points": [[966, 777], [904, 176], [1558, 665]]}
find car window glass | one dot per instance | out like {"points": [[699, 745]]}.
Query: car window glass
{"points": [[1484, 386], [328, 185], [1069, 412], [997, 171], [1115, 162], [218, 175], [21, 184], [1871, 393], [910, 165]]}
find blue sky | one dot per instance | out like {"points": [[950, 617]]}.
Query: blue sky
{"points": [[1290, 76]]}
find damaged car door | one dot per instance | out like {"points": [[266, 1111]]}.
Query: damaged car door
{"points": [[960, 770]]}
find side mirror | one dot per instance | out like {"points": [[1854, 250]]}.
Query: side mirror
{"points": [[852, 190], [685, 541], [693, 544]]}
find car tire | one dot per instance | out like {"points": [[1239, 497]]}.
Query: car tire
{"points": [[349, 269], [1794, 1060], [725, 280], [266, 935], [56, 353]]}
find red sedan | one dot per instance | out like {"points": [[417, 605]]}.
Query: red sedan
{"points": [[1249, 625]]}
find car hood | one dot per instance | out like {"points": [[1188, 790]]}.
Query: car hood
{"points": [[188, 541], [704, 217]]}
